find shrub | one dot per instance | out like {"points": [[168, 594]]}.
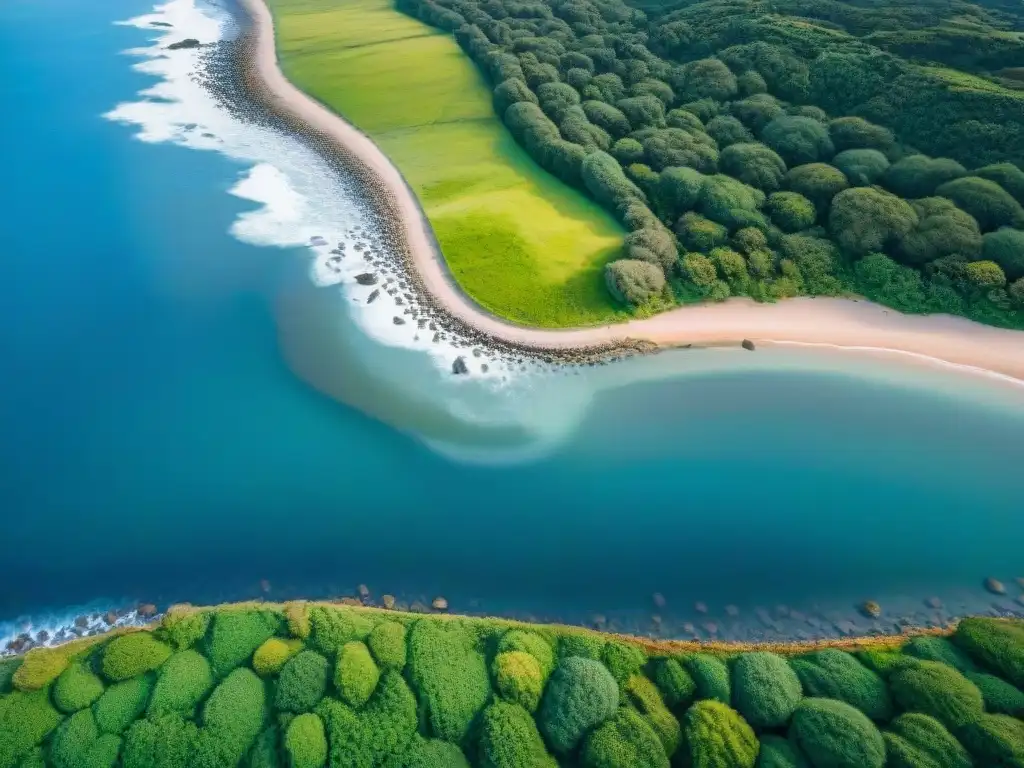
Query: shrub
{"points": [[817, 260], [302, 683], [757, 111], [862, 167], [168, 741], [750, 239], [450, 676], [1016, 292], [7, 669], [387, 644], [132, 655], [996, 645], [653, 242], [605, 181], [711, 676], [942, 230], [509, 738], [76, 688], [699, 270], [675, 684], [181, 684], [355, 675], [1000, 697], [235, 636], [731, 202], [580, 695], [985, 200], [432, 753], [627, 739], [798, 140], [920, 741], [835, 674], [122, 703], [679, 190], [628, 151], [512, 91], [643, 695], [333, 627], [556, 99], [518, 678], [934, 689], [729, 264], [996, 740], [777, 752], [928, 648], [791, 211], [717, 737], [680, 118], [883, 662], [698, 233], [264, 752], [531, 643], [586, 645], [305, 742], [184, 626], [866, 219], [754, 164], [34, 759], [633, 281], [1005, 247], [78, 744], [1006, 175], [920, 176], [765, 689], [727, 130], [835, 735], [233, 716], [857, 133], [273, 653], [26, 718], [608, 117], [818, 182], [40, 667], [621, 659], [751, 82], [643, 111], [296, 615], [985, 274], [705, 79]]}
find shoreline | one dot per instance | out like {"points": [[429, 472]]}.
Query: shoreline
{"points": [[845, 324]]}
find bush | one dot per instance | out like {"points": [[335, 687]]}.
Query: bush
{"points": [[700, 270], [264, 752], [26, 718], [302, 683], [751, 82], [996, 740], [817, 260], [628, 151], [996, 645], [625, 740], [653, 244], [680, 118], [928, 648], [698, 233], [919, 176], [1000, 697], [296, 615], [586, 645], [884, 662], [679, 190], [333, 627], [76, 688], [853, 133], [985, 200], [705, 79], [1016, 292], [920, 741], [934, 689], [1005, 247], [509, 739], [450, 676], [835, 674], [777, 752], [754, 164], [765, 689], [132, 655], [835, 735], [233, 716], [184, 626], [607, 184], [985, 274], [1006, 175], [355, 674], [40, 667], [531, 643], [675, 684], [717, 737], [580, 695], [791, 211], [711, 676], [387, 644], [644, 696], [78, 744], [556, 99], [818, 182], [7, 669], [731, 202], [729, 264], [798, 140], [272, 655], [633, 281], [621, 659], [518, 678], [866, 219], [305, 742], [512, 91], [235, 636], [727, 130], [643, 111], [431, 753], [122, 703], [608, 117], [862, 167], [181, 684], [757, 111], [942, 230], [168, 741]]}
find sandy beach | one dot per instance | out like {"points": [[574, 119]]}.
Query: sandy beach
{"points": [[835, 323]]}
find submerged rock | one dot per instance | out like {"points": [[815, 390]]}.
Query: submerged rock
{"points": [[871, 609], [995, 586], [439, 604], [317, 240], [659, 599], [189, 42], [459, 367], [366, 278], [146, 610], [388, 601]]}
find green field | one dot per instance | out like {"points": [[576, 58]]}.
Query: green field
{"points": [[520, 242]]}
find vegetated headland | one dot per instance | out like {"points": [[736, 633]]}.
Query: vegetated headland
{"points": [[731, 215], [316, 684]]}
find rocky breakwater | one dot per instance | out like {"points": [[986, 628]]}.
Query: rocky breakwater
{"points": [[31, 634]]}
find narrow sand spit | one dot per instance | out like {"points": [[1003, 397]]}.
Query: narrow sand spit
{"points": [[837, 323]]}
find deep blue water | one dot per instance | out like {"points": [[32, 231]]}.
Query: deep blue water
{"points": [[155, 445]]}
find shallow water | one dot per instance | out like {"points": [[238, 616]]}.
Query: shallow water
{"points": [[171, 424]]}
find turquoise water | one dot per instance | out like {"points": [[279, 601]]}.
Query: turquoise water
{"points": [[157, 441]]}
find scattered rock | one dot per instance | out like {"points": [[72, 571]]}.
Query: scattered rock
{"points": [[146, 610], [871, 609], [42, 636], [366, 278], [189, 42], [485, 368], [161, 24], [659, 599], [373, 296], [933, 602], [700, 607], [110, 618], [995, 586], [748, 345], [732, 610], [388, 601], [264, 586], [598, 620], [317, 240], [350, 601], [656, 619], [81, 622], [363, 590], [439, 604], [459, 367], [397, 320], [710, 627]]}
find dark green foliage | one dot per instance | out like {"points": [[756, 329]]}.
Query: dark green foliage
{"points": [[817, 260], [1005, 247], [25, 720], [704, 109], [607, 183], [985, 200], [305, 742], [1016, 292], [168, 741], [994, 740], [832, 734], [580, 695], [556, 99], [333, 627], [606, 88], [919, 741], [644, 696], [726, 130], [679, 190], [387, 644], [181, 684], [355, 675], [627, 739], [264, 752], [857, 133], [577, 129], [235, 636], [509, 739], [757, 111], [711, 676], [697, 233], [798, 140], [628, 151], [705, 79], [430, 753], [39, 668], [765, 689], [754, 164], [7, 669], [531, 643], [919, 175], [790, 211], [35, 759], [1006, 175], [862, 167], [715, 736], [932, 688], [882, 661], [751, 82], [929, 648], [184, 626], [675, 684], [302, 683], [866, 219], [729, 264], [818, 182], [531, 128], [701, 271], [643, 111], [749, 239], [777, 752], [1000, 697], [122, 703], [450, 676], [78, 743], [233, 717], [942, 230], [586, 645], [510, 92], [996, 645], [76, 688], [680, 118], [133, 654], [676, 147], [608, 117], [835, 674], [732, 203]]}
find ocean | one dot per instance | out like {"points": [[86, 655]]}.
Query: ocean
{"points": [[191, 403]]}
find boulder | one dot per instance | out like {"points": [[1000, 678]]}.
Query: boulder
{"points": [[189, 42], [317, 240], [388, 601], [748, 345], [146, 610], [871, 609], [397, 320], [366, 278], [995, 586], [459, 367], [439, 604]]}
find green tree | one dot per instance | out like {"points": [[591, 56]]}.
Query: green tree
{"points": [[754, 164], [518, 678], [818, 182], [302, 683], [765, 689], [1005, 247], [857, 133], [627, 739], [942, 229], [916, 741], [985, 200], [305, 742], [835, 735], [791, 211], [675, 684], [709, 673], [355, 674], [718, 737], [862, 167], [726, 130], [920, 175], [985, 274], [835, 674], [705, 79], [866, 219], [932, 688], [1006, 175], [509, 739], [798, 140], [580, 696], [76, 688]]}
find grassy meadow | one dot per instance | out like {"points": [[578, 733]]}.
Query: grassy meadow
{"points": [[518, 241]]}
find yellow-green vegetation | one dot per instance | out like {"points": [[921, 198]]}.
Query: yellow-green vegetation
{"points": [[520, 242]]}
